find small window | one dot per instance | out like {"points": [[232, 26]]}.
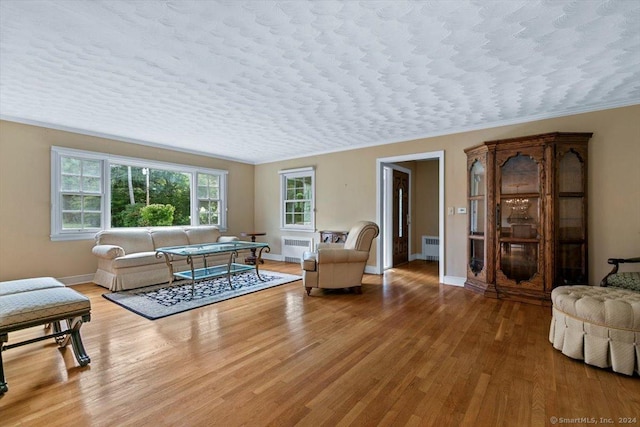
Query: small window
{"points": [[209, 199], [80, 194], [298, 199]]}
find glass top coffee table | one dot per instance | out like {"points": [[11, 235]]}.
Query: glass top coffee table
{"points": [[172, 254]]}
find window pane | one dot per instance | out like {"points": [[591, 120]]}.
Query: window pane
{"points": [[91, 184], [92, 203], [291, 194], [289, 219], [133, 188], [203, 192], [71, 166], [289, 207], [71, 220], [92, 220], [91, 168], [208, 212], [70, 183], [71, 203]]}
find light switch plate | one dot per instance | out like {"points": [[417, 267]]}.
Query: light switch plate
{"points": [[462, 210], [450, 211]]}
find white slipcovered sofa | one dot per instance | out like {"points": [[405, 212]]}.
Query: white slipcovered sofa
{"points": [[127, 256]]}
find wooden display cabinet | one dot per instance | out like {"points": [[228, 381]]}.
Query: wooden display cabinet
{"points": [[527, 204]]}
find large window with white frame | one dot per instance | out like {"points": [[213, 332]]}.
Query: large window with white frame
{"points": [[94, 191], [297, 196]]}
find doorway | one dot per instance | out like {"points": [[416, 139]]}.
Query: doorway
{"points": [[390, 198]]}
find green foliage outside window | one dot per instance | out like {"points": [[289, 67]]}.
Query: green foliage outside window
{"points": [[156, 214]]}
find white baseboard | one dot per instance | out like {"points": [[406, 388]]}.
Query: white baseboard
{"points": [[454, 281], [272, 257], [371, 269], [76, 280]]}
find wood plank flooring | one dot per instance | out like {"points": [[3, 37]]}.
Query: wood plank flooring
{"points": [[408, 351]]}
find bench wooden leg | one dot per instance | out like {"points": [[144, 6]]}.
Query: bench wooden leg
{"points": [[3, 383], [76, 340]]}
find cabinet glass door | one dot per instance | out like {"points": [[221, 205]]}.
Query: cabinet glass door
{"points": [[519, 222], [571, 244], [477, 217]]}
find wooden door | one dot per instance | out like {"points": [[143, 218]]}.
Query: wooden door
{"points": [[400, 218]]}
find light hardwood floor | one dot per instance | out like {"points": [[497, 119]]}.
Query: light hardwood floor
{"points": [[408, 351]]}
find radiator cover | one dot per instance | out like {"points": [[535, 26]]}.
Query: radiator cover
{"points": [[431, 248], [294, 247]]}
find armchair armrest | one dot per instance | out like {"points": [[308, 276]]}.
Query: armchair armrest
{"points": [[225, 239], [107, 251], [309, 261]]}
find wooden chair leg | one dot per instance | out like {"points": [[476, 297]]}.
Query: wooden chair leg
{"points": [[308, 291]]}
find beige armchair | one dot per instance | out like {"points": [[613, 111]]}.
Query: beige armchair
{"points": [[340, 265]]}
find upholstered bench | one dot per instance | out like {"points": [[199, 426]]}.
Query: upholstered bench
{"points": [[42, 301], [26, 285], [599, 325]]}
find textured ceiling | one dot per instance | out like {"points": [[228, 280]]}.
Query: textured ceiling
{"points": [[259, 81]]}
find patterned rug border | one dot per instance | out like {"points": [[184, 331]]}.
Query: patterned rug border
{"points": [[137, 301]]}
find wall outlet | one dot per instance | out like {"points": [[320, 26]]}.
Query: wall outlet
{"points": [[462, 210]]}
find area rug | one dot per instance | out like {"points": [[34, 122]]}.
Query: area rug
{"points": [[155, 302]]}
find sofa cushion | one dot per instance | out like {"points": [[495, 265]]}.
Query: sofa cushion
{"points": [[130, 239], [202, 234], [165, 237], [137, 259]]}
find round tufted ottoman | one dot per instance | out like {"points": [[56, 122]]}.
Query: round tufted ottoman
{"points": [[598, 325]]}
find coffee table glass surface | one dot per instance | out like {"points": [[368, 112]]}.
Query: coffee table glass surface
{"points": [[174, 253]]}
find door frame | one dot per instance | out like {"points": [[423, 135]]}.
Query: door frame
{"points": [[381, 241]]}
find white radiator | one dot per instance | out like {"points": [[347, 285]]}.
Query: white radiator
{"points": [[431, 248], [294, 247]]}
